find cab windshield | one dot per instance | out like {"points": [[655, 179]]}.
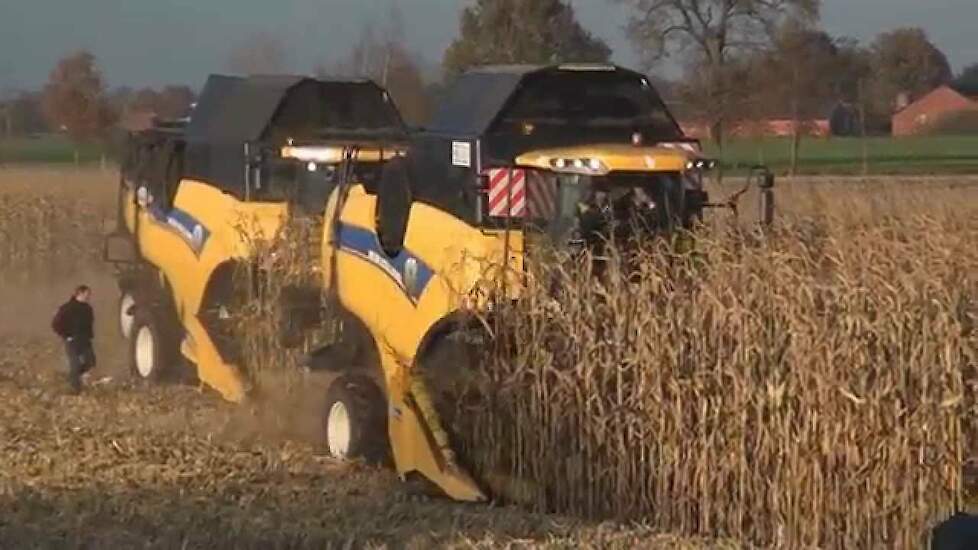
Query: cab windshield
{"points": [[309, 185], [586, 211]]}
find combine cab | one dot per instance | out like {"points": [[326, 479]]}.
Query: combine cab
{"points": [[565, 150], [515, 155]]}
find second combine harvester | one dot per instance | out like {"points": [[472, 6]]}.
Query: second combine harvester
{"points": [[513, 156]]}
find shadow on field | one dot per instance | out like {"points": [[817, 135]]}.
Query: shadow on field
{"points": [[319, 515]]}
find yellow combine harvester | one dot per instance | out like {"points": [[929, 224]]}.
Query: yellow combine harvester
{"points": [[515, 156], [197, 194]]}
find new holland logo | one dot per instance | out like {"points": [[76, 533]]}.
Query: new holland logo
{"points": [[411, 275], [194, 236], [189, 229], [382, 263]]}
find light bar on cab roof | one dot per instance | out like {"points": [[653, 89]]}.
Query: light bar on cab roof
{"points": [[587, 67], [331, 154], [585, 166], [319, 154]]}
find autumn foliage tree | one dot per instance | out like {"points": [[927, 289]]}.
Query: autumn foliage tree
{"points": [[797, 78], [74, 99], [521, 31], [380, 55], [905, 61]]}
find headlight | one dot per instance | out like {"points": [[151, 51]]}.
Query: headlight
{"points": [[701, 164], [587, 166]]}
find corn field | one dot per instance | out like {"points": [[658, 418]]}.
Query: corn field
{"points": [[801, 388], [809, 386], [48, 227]]}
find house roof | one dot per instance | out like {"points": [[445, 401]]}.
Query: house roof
{"points": [[239, 109], [964, 93]]}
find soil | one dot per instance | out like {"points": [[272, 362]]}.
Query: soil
{"points": [[126, 465]]}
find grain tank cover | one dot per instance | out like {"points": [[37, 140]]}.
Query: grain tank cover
{"points": [[575, 101], [492, 115], [269, 110], [477, 97]]}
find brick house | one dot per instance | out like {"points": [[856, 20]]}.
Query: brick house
{"points": [[837, 118], [765, 127], [917, 116], [782, 127]]}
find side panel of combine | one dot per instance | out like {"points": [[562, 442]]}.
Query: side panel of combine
{"points": [[187, 243], [400, 299]]}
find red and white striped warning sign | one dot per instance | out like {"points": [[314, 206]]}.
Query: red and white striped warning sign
{"points": [[517, 193], [507, 192]]}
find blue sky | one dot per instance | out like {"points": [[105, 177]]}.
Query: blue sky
{"points": [[152, 42]]}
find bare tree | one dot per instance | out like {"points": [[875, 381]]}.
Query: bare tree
{"points": [[258, 53], [7, 116], [382, 57], [710, 33], [74, 99], [798, 78]]}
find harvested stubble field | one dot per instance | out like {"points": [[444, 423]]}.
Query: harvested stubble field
{"points": [[857, 444]]}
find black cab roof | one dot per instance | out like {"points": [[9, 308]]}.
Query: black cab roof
{"points": [[481, 96], [268, 111]]}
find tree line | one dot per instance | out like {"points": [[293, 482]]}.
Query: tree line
{"points": [[741, 60]]}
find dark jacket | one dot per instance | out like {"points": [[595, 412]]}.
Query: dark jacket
{"points": [[74, 320]]}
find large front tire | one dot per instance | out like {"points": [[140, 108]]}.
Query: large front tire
{"points": [[149, 349], [355, 420]]}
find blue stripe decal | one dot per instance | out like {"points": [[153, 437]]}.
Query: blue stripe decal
{"points": [[183, 224], [364, 243]]}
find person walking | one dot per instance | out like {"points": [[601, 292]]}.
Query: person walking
{"points": [[75, 324]]}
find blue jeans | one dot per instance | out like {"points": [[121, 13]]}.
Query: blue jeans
{"points": [[81, 359]]}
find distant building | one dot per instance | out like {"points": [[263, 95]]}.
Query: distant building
{"points": [[135, 120], [765, 127], [782, 127], [833, 119], [918, 116]]}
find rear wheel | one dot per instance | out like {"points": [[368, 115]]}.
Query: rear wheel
{"points": [[355, 421]]}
